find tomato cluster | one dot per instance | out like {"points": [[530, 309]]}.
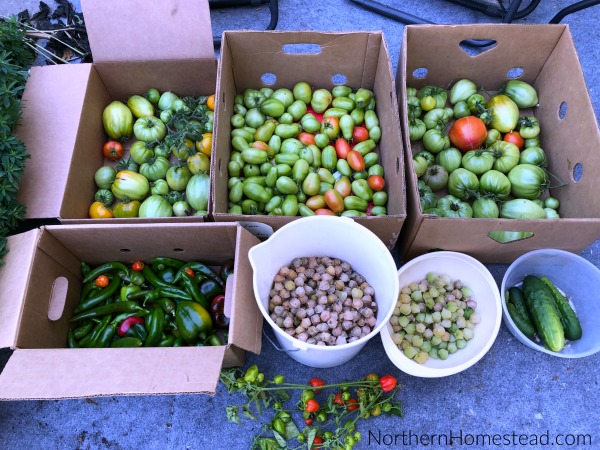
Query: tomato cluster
{"points": [[164, 172], [305, 151], [483, 152]]}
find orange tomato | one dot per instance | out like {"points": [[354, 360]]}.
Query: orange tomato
{"points": [[306, 138], [325, 212], [376, 182], [260, 145], [205, 145], [334, 200], [99, 211], [102, 281], [355, 160], [514, 137], [210, 102], [315, 202], [342, 147]]}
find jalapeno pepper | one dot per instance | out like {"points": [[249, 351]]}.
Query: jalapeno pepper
{"points": [[162, 262], [126, 342], [137, 330], [154, 279], [100, 296], [133, 277], [167, 274], [167, 341], [168, 305], [110, 267], [191, 287], [191, 319], [178, 342], [87, 290], [85, 269], [199, 269], [71, 341], [113, 308], [82, 330], [90, 339], [155, 324]]}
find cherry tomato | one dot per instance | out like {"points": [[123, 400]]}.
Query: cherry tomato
{"points": [[355, 160], [314, 382], [102, 281], [138, 265], [317, 441], [190, 272], [112, 150], [308, 421], [338, 399], [352, 404], [311, 406], [360, 134], [467, 133], [376, 182], [387, 383], [342, 147], [514, 137]]}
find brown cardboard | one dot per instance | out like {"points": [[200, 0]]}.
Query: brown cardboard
{"points": [[360, 56], [42, 367], [62, 105], [549, 60]]}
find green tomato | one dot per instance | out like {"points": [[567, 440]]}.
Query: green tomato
{"points": [[529, 127], [450, 159], [520, 92], [533, 155], [155, 168], [302, 91], [452, 206], [254, 118], [439, 94], [117, 120], [461, 91], [495, 185], [298, 110], [478, 161], [149, 129], [178, 177], [105, 177], [166, 100], [506, 156], [436, 177], [253, 98], [463, 184], [152, 95], [197, 191], [182, 209], [284, 95], [130, 185], [416, 129], [528, 181], [420, 165], [485, 208], [272, 107], [505, 113], [461, 109], [155, 206], [159, 187], [435, 140], [321, 99], [140, 106]]}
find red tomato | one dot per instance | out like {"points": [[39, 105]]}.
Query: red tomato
{"points": [[467, 133], [306, 138], [342, 147], [376, 182], [514, 138], [138, 266], [324, 212], [314, 382], [334, 200], [311, 406], [355, 160], [360, 134], [112, 150]]}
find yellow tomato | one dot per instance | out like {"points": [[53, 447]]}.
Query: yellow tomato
{"points": [[198, 163], [205, 145], [99, 211], [210, 102]]}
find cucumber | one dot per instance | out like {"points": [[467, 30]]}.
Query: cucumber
{"points": [[518, 311], [544, 313], [568, 318]]}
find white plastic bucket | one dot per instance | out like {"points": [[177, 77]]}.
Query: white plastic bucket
{"points": [[337, 237]]}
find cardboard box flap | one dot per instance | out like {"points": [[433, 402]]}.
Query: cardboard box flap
{"points": [[42, 374], [13, 279], [249, 336], [52, 105], [137, 30]]}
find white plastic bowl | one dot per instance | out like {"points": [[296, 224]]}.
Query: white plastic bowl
{"points": [[577, 278], [485, 292], [337, 237]]}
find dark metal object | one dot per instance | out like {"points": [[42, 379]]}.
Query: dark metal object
{"points": [[273, 8], [507, 14]]}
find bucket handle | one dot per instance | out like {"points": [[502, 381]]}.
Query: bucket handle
{"points": [[275, 345]]}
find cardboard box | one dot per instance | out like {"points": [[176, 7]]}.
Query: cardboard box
{"points": [[548, 59], [41, 285], [168, 46], [357, 58]]}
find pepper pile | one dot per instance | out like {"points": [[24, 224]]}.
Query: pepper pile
{"points": [[166, 303]]}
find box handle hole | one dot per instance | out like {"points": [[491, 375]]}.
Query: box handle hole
{"points": [[420, 73], [515, 72], [339, 78], [125, 250], [506, 237], [476, 47], [577, 172], [302, 49], [562, 111], [178, 250], [58, 298], [268, 78]]}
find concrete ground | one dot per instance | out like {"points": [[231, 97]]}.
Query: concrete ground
{"points": [[512, 390]]}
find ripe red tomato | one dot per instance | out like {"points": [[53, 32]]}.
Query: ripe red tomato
{"points": [[376, 182], [311, 406], [467, 133], [342, 147], [514, 137], [360, 134], [112, 150], [306, 138]]}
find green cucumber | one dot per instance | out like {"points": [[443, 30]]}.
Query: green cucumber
{"points": [[517, 308], [544, 313], [568, 318]]}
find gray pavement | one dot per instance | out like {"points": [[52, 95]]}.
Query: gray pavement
{"points": [[512, 390]]}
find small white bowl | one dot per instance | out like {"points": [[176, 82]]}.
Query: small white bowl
{"points": [[579, 281], [485, 292]]}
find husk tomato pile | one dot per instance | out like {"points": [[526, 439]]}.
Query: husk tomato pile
{"points": [[164, 172], [306, 151], [478, 155]]}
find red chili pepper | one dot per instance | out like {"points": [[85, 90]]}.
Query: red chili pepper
{"points": [[352, 404], [311, 406], [314, 382], [190, 272], [387, 383], [338, 399], [128, 323], [138, 266], [308, 421]]}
